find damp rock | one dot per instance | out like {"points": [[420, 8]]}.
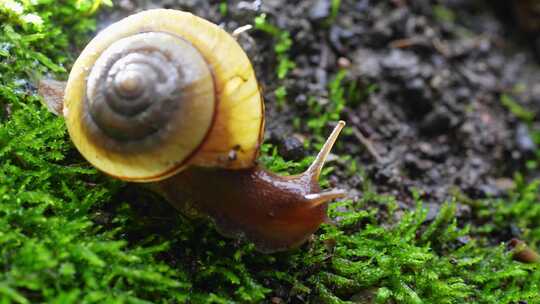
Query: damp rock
{"points": [[320, 10], [291, 148], [367, 64], [400, 60], [436, 122], [524, 141]]}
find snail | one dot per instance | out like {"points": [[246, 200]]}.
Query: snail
{"points": [[169, 99]]}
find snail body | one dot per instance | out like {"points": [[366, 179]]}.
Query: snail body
{"points": [[169, 99]]}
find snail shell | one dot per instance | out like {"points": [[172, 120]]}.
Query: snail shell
{"points": [[161, 90]]}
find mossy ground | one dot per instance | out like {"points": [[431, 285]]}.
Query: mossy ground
{"points": [[68, 234]]}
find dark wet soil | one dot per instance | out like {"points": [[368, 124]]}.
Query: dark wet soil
{"points": [[439, 68]]}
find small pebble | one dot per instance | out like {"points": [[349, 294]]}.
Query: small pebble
{"points": [[523, 139], [291, 148], [344, 63], [320, 10]]}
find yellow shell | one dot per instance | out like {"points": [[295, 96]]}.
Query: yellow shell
{"points": [[218, 125]]}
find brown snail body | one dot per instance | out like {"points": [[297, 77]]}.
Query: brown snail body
{"points": [[275, 212], [170, 99]]}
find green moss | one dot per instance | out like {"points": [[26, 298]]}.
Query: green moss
{"points": [[223, 8], [281, 49], [334, 9], [334, 12], [341, 93], [516, 109], [517, 215], [282, 46], [443, 13], [281, 95], [71, 235]]}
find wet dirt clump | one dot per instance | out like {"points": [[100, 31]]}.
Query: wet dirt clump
{"points": [[437, 116]]}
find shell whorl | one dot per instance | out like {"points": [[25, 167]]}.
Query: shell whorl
{"points": [[137, 87], [161, 90]]}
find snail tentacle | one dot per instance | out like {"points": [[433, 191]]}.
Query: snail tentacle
{"points": [[314, 170], [316, 199]]}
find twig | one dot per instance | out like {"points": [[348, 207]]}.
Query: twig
{"points": [[367, 143], [240, 30], [407, 42]]}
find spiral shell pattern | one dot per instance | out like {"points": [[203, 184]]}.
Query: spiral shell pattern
{"points": [[162, 90], [139, 88]]}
